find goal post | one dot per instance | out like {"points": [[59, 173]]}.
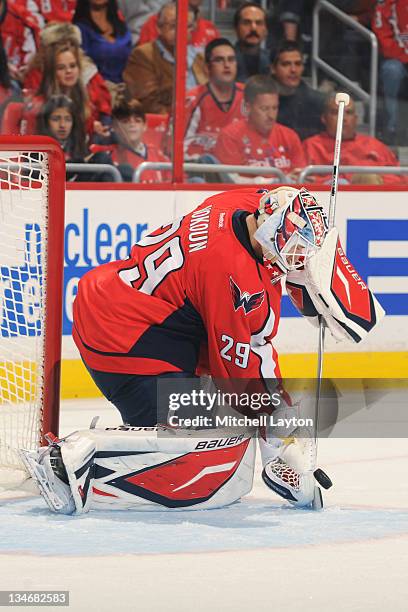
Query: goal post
{"points": [[32, 187]]}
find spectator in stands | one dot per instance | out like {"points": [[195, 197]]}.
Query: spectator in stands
{"points": [[61, 67], [356, 150], [339, 44], [291, 14], [19, 32], [212, 106], [9, 89], [204, 30], [259, 140], [390, 24], [342, 46], [251, 29], [137, 13], [51, 10], [105, 37], [129, 148], [59, 119], [300, 106], [52, 34], [149, 71]]}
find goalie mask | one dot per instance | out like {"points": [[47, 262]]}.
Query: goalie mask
{"points": [[291, 227]]}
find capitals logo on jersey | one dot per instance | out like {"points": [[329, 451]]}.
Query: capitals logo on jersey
{"points": [[245, 300]]}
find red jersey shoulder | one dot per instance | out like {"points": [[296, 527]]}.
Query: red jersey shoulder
{"points": [[195, 95], [244, 198]]}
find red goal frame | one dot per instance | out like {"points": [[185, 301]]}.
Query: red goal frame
{"points": [[55, 271]]}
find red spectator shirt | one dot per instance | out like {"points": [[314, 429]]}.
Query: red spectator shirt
{"points": [[362, 150], [206, 117], [390, 24], [193, 283], [204, 32], [240, 144], [123, 155], [53, 10], [20, 32]]}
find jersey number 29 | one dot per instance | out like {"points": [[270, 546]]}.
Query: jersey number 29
{"points": [[169, 255]]}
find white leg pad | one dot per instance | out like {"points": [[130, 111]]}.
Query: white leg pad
{"points": [[137, 468]]}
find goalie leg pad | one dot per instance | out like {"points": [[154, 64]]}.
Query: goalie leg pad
{"points": [[171, 470], [133, 468], [64, 473], [56, 492]]}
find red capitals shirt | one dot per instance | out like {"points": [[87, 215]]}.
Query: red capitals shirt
{"points": [[20, 33], [362, 150], [53, 10], [123, 155], [390, 24], [193, 284], [240, 144], [203, 33], [205, 117]]}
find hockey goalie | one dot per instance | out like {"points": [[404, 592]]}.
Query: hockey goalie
{"points": [[201, 294]]}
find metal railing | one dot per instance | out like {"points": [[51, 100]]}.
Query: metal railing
{"points": [[84, 168], [96, 169], [210, 169], [352, 170], [370, 97]]}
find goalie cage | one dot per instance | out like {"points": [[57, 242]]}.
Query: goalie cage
{"points": [[32, 183]]}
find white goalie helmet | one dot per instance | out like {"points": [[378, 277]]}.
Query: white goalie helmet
{"points": [[292, 226]]}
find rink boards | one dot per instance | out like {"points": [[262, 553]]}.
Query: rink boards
{"points": [[102, 224]]}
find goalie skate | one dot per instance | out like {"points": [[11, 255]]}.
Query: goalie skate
{"points": [[44, 468]]}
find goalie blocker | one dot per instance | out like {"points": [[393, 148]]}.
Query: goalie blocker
{"points": [[330, 286]]}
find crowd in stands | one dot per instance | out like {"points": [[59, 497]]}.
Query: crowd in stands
{"points": [[98, 76]]}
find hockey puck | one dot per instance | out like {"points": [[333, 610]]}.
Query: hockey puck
{"points": [[322, 479]]}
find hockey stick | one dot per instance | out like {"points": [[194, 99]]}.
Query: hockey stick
{"points": [[342, 100]]}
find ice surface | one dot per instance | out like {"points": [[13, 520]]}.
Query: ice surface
{"points": [[258, 554]]}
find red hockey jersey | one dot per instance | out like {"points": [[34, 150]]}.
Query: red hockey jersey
{"points": [[362, 150], [390, 24], [20, 33], [203, 33], [53, 10], [191, 285], [239, 143], [123, 155], [205, 117]]}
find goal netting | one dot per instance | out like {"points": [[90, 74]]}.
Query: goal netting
{"points": [[32, 179]]}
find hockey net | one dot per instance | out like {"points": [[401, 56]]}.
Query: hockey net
{"points": [[32, 180]]}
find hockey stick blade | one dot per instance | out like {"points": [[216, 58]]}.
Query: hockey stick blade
{"points": [[317, 503]]}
